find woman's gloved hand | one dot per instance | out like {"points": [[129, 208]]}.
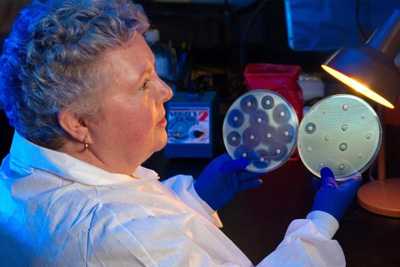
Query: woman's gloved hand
{"points": [[333, 197], [222, 179]]}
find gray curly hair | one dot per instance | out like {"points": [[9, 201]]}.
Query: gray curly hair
{"points": [[49, 61]]}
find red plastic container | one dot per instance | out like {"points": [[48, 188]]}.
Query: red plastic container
{"points": [[279, 78]]}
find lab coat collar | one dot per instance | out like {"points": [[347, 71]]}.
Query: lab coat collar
{"points": [[26, 156]]}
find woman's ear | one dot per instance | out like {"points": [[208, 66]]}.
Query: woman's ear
{"points": [[74, 126]]}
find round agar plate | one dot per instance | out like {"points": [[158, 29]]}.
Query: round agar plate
{"points": [[262, 127], [341, 132]]}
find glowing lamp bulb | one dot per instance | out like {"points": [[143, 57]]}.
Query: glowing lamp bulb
{"points": [[358, 86]]}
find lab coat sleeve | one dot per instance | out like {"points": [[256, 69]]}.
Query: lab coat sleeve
{"points": [[308, 242], [183, 187]]}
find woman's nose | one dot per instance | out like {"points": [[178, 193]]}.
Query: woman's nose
{"points": [[166, 91]]}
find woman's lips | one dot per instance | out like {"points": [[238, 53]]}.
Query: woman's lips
{"points": [[163, 122]]}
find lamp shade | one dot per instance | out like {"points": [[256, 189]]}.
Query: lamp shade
{"points": [[370, 69]]}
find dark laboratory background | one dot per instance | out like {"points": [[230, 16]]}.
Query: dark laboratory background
{"points": [[208, 51]]}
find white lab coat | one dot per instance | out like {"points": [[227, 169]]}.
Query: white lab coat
{"points": [[65, 212]]}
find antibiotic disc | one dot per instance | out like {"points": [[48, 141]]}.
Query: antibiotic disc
{"points": [[342, 132], [262, 127]]}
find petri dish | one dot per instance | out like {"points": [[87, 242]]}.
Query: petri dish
{"points": [[262, 127], [342, 132]]}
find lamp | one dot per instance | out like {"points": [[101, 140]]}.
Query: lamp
{"points": [[371, 71]]}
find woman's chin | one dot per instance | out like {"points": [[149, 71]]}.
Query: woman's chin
{"points": [[162, 142]]}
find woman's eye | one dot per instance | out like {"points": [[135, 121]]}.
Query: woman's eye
{"points": [[145, 85]]}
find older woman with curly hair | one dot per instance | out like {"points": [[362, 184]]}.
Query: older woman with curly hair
{"points": [[78, 84]]}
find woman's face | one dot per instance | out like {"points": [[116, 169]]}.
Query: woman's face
{"points": [[130, 124]]}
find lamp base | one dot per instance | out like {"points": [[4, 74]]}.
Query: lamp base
{"points": [[381, 197]]}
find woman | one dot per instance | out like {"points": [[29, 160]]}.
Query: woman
{"points": [[78, 85]]}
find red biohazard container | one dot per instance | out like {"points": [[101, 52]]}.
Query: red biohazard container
{"points": [[281, 79]]}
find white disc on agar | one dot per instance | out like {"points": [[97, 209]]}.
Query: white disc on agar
{"points": [[262, 127], [342, 132]]}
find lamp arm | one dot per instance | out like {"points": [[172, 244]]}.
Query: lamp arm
{"points": [[387, 38]]}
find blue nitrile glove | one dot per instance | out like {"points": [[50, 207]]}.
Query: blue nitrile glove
{"points": [[332, 197], [223, 178]]}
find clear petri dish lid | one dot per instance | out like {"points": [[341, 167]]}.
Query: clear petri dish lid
{"points": [[342, 132], [262, 127]]}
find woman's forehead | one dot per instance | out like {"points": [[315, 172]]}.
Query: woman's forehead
{"points": [[128, 63], [139, 44]]}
